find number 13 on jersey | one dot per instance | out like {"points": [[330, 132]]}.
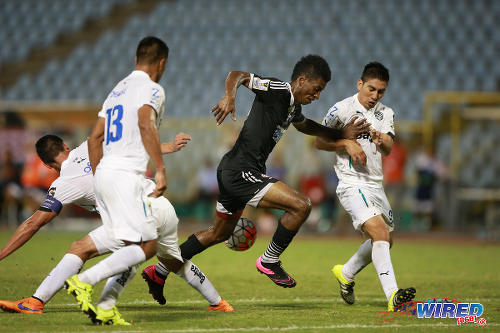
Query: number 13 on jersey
{"points": [[114, 127]]}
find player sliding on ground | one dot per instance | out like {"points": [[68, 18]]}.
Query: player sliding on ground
{"points": [[241, 174], [75, 185], [360, 188]]}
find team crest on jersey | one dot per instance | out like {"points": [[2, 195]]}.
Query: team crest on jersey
{"points": [[379, 115], [52, 191], [260, 84]]}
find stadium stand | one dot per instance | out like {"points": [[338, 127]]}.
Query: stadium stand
{"points": [[427, 45]]}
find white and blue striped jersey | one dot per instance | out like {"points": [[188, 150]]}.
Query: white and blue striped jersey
{"points": [[122, 146], [381, 119]]}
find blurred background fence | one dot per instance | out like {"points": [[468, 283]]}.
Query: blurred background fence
{"points": [[59, 59]]}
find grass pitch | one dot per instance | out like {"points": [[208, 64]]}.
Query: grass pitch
{"points": [[467, 273]]}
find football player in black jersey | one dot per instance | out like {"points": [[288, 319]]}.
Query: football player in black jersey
{"points": [[241, 174]]}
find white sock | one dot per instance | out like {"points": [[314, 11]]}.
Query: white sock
{"points": [[358, 261], [117, 262], [69, 265], [196, 279], [114, 287], [161, 270], [381, 258]]}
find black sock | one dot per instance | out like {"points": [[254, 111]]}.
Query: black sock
{"points": [[281, 239], [191, 247]]}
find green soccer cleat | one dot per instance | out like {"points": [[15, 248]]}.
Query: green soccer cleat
{"points": [[109, 317], [400, 297], [346, 287], [83, 294]]}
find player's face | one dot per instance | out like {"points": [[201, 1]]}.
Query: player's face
{"points": [[308, 90], [371, 92]]}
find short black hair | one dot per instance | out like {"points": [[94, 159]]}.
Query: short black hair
{"points": [[48, 147], [150, 50], [312, 66], [375, 70]]}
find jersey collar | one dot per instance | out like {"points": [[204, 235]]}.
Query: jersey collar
{"points": [[137, 72]]}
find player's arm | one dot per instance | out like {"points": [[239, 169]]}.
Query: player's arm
{"points": [[351, 147], [180, 140], [151, 141], [95, 143], [383, 141], [226, 104], [26, 230], [349, 131]]}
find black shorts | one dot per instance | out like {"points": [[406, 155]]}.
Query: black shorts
{"points": [[239, 188]]}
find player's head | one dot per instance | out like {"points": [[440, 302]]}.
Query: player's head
{"points": [[48, 148], [152, 53], [309, 77], [372, 84]]}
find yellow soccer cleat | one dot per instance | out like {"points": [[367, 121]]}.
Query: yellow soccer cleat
{"points": [[109, 317], [83, 294], [346, 287], [223, 306], [29, 305], [400, 297]]}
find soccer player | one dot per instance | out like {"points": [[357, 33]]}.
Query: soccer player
{"points": [[75, 185], [241, 172], [123, 139], [360, 188]]}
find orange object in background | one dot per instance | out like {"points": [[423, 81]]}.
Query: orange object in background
{"points": [[36, 174]]}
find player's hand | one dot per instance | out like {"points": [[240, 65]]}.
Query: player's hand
{"points": [[161, 184], [376, 137], [352, 129], [223, 108], [180, 140], [358, 156]]}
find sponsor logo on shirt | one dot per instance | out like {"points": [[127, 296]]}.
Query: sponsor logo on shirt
{"points": [[260, 84], [117, 93]]}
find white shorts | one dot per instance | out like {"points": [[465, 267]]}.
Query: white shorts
{"points": [[122, 202], [363, 203], [166, 221]]}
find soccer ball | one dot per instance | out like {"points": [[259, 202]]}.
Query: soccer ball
{"points": [[243, 236]]}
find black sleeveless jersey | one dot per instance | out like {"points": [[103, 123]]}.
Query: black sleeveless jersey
{"points": [[273, 110]]}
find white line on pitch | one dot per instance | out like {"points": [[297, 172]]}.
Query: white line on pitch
{"points": [[294, 328]]}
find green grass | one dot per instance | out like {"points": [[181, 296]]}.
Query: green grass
{"points": [[467, 273]]}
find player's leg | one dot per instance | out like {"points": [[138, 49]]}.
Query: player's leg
{"points": [[106, 310], [126, 214], [71, 263], [171, 261], [362, 204], [377, 229], [118, 262], [193, 276], [345, 273], [297, 208], [236, 189], [220, 230]]}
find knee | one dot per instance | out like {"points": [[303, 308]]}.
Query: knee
{"points": [[79, 249], [303, 206]]}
